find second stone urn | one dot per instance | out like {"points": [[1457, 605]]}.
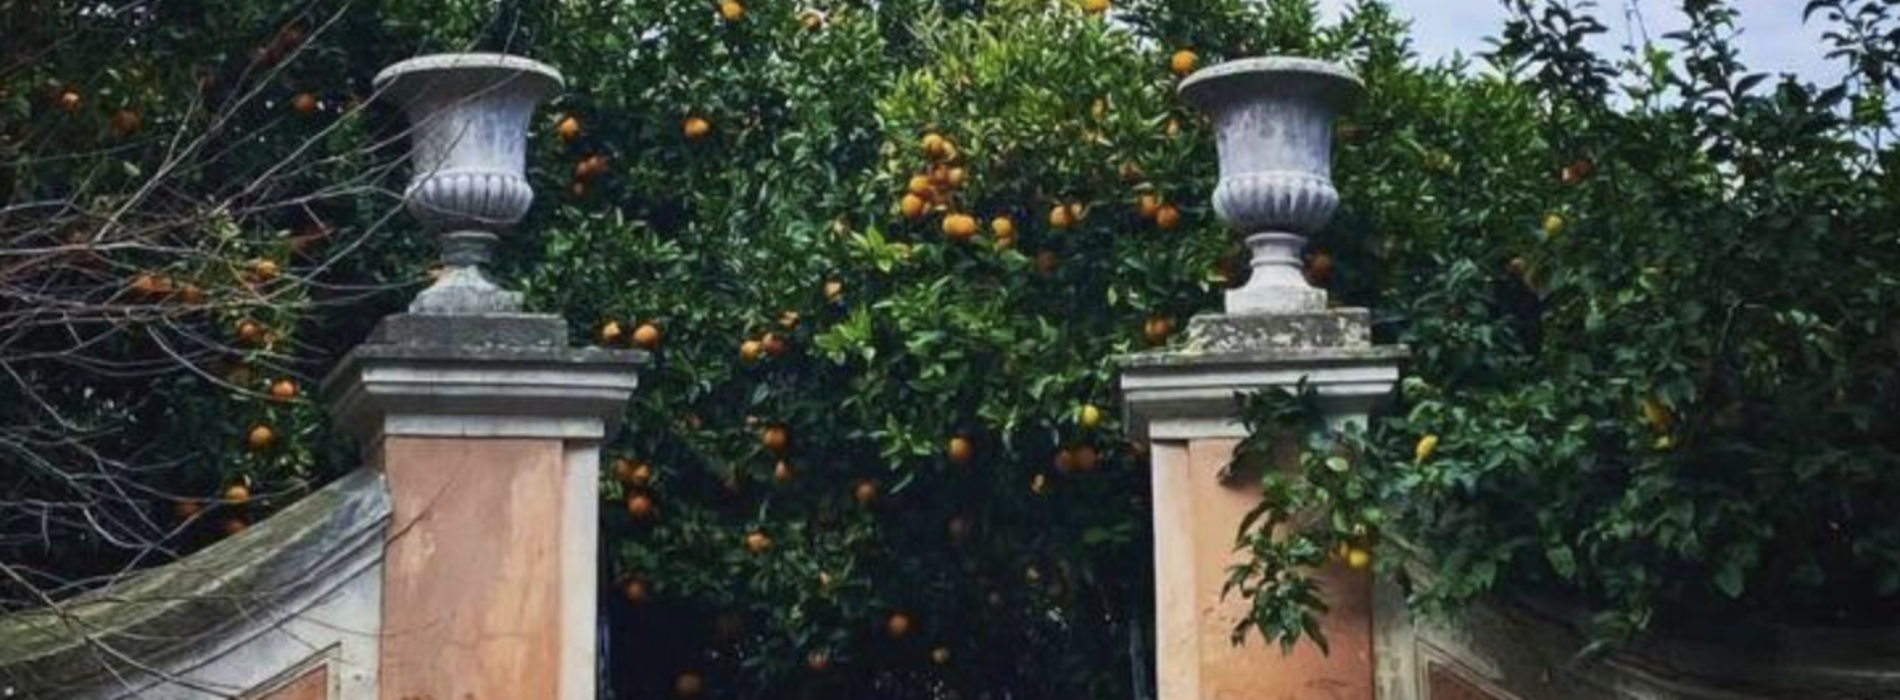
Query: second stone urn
{"points": [[1273, 125], [469, 127]]}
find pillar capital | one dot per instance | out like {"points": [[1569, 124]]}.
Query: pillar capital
{"points": [[1193, 392], [483, 375]]}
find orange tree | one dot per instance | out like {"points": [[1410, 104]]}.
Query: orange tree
{"points": [[1651, 304], [884, 252]]}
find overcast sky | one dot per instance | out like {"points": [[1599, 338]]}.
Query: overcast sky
{"points": [[1773, 36]]}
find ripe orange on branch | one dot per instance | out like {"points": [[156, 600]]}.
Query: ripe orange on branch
{"points": [[775, 438], [569, 128], [959, 450], [959, 227], [647, 336], [757, 542], [695, 128], [1183, 62], [897, 625], [1167, 217], [260, 438]]}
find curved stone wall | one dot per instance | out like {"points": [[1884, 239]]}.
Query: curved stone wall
{"points": [[287, 610]]}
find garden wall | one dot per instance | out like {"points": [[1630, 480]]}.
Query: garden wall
{"points": [[287, 610], [1521, 652]]}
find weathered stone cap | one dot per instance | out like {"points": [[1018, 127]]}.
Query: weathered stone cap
{"points": [[176, 611]]}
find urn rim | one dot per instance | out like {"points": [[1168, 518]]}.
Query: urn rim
{"points": [[484, 71], [1208, 87]]}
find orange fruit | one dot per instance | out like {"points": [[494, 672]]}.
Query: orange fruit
{"points": [[818, 661], [233, 526], [1088, 416], [912, 206], [688, 685], [941, 655], [865, 493], [264, 269], [569, 128], [1039, 484], [782, 472], [636, 591], [237, 494], [1002, 227], [1167, 217], [260, 438], [936, 147], [920, 185], [1157, 329], [1553, 224], [68, 100], [1086, 458], [731, 10], [811, 19], [696, 128], [647, 336], [283, 390], [959, 450], [788, 319], [898, 625], [304, 103], [186, 509], [640, 506], [249, 331], [959, 227], [773, 344], [1358, 558], [775, 438], [610, 333], [1148, 205], [590, 166], [1319, 268], [1061, 216], [126, 122], [1065, 461], [834, 290], [1183, 62], [750, 351], [757, 543]]}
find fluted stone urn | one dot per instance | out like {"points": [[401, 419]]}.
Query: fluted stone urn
{"points": [[469, 122], [1273, 125]]}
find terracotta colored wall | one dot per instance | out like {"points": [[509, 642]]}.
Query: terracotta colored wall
{"points": [[471, 596], [314, 684], [1196, 519]]}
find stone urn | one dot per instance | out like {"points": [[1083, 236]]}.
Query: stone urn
{"points": [[469, 123], [1273, 125]]}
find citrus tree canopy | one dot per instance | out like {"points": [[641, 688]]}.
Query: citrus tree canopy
{"points": [[884, 254]]}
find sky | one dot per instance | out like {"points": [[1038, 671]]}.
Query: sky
{"points": [[1773, 39]]}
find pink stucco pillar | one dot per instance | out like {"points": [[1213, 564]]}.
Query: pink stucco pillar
{"points": [[1184, 402]]}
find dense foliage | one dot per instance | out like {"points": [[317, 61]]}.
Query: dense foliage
{"points": [[1653, 312], [884, 254]]}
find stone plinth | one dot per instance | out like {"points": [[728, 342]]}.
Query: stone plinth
{"points": [[489, 429], [1186, 402]]}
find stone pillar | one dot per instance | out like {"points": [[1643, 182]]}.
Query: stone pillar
{"points": [[1274, 122], [486, 424]]}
